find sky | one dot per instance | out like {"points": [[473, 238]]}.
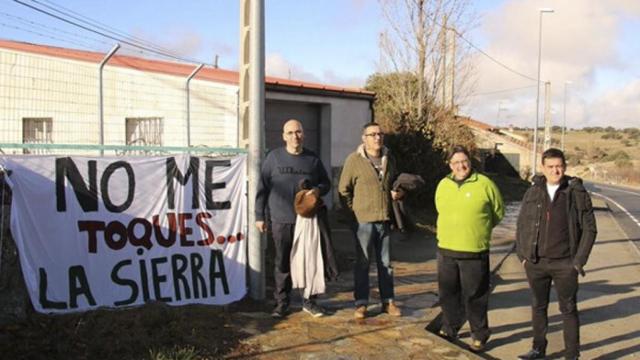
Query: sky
{"points": [[589, 47]]}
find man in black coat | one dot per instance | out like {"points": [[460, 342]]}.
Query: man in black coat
{"points": [[555, 233]]}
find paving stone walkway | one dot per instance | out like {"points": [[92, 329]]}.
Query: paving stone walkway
{"points": [[379, 336]]}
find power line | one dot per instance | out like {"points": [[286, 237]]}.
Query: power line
{"points": [[492, 58], [91, 22], [52, 37], [46, 27], [435, 21], [125, 41], [502, 91]]}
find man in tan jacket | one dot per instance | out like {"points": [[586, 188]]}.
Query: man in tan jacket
{"points": [[365, 189]]}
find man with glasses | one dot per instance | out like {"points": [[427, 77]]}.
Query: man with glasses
{"points": [[282, 172], [365, 189], [469, 206]]}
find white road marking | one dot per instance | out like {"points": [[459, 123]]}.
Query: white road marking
{"points": [[620, 206], [618, 190]]}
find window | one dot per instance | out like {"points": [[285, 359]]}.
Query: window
{"points": [[37, 131], [144, 131]]}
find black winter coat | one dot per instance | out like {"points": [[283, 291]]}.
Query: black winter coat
{"points": [[582, 222]]}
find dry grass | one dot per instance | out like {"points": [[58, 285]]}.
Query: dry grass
{"points": [[598, 157]]}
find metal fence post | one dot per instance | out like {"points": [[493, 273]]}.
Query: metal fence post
{"points": [[101, 96]]}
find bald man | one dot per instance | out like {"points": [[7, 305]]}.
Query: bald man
{"points": [[282, 171]]}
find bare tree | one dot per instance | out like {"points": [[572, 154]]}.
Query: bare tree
{"points": [[419, 45]]}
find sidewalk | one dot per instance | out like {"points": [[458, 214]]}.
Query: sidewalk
{"points": [[379, 336]]}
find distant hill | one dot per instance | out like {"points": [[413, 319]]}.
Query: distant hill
{"points": [[600, 154]]}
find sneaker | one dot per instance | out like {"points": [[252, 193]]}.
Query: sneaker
{"points": [[280, 310], [361, 312], [391, 309], [313, 309], [477, 345]]}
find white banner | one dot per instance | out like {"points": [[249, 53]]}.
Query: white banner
{"points": [[113, 232]]}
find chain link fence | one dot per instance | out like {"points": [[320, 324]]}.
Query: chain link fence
{"points": [[50, 104]]}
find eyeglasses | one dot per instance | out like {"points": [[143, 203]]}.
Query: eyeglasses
{"points": [[291, 133], [379, 134], [461, 162]]}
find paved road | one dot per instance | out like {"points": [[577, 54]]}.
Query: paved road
{"points": [[625, 207], [609, 299]]}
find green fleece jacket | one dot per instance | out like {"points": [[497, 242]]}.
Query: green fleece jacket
{"points": [[467, 213], [362, 191]]}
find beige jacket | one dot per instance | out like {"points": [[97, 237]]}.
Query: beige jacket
{"points": [[363, 191]]}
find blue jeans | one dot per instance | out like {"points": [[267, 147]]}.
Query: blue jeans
{"points": [[376, 235]]}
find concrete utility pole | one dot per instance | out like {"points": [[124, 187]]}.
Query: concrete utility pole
{"points": [[448, 68], [547, 115], [452, 77], [443, 69], [251, 103]]}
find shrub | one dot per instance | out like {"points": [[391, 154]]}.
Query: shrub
{"points": [[618, 155], [623, 164], [612, 135]]}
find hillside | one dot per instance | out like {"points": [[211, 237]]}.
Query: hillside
{"points": [[599, 154]]}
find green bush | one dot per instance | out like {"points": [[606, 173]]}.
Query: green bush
{"points": [[623, 163], [618, 155], [610, 135]]}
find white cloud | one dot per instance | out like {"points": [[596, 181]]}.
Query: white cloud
{"points": [[579, 39], [276, 65], [619, 108]]}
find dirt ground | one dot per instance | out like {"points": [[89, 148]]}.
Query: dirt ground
{"points": [[154, 331]]}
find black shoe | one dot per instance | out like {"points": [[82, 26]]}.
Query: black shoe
{"points": [[280, 310], [532, 354], [313, 309]]}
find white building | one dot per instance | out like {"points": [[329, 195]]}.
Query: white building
{"points": [[51, 95]]}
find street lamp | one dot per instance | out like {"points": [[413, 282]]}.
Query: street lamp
{"points": [[535, 129], [564, 117]]}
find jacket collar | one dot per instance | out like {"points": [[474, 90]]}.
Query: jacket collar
{"points": [[471, 178], [568, 182], [362, 153], [384, 152]]}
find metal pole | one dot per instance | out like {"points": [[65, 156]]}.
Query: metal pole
{"points": [[193, 73], [256, 145], [101, 96], [564, 116], [547, 115], [535, 129]]}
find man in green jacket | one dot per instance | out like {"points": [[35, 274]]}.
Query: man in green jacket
{"points": [[469, 206], [365, 189]]}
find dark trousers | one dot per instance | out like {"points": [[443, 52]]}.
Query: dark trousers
{"points": [[377, 236], [464, 290], [565, 279], [283, 241]]}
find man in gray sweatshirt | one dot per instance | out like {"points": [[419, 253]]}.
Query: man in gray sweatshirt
{"points": [[282, 171]]}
